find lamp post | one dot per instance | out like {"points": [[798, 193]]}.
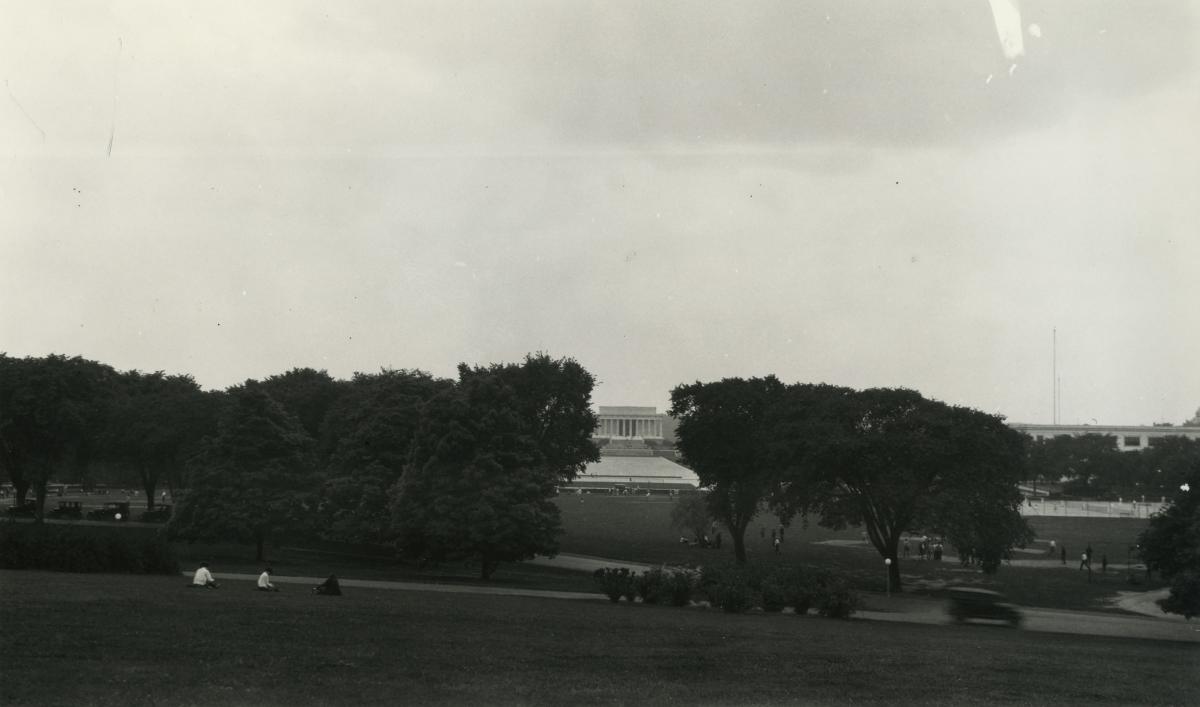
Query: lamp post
{"points": [[887, 571]]}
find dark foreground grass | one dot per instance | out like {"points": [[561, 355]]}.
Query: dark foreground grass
{"points": [[638, 529], [121, 640]]}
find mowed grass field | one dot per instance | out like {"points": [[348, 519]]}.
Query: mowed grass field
{"points": [[638, 529], [133, 640]]}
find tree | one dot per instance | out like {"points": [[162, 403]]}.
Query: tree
{"points": [[894, 461], [155, 424], [1195, 421], [690, 514], [1170, 545], [308, 395], [50, 411], [486, 461], [254, 480], [722, 433], [372, 427]]}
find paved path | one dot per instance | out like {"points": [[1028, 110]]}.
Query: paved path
{"points": [[898, 608], [586, 563], [411, 586]]}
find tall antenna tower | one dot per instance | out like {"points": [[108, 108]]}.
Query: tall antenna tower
{"points": [[1054, 381]]}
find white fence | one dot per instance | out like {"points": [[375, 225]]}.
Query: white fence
{"points": [[1090, 509]]}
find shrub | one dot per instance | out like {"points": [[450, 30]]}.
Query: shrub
{"points": [[728, 589], [835, 599], [1184, 597], [774, 596], [680, 585], [615, 582], [651, 585], [73, 549], [800, 590]]}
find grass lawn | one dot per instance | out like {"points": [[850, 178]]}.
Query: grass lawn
{"points": [[638, 529], [126, 640]]}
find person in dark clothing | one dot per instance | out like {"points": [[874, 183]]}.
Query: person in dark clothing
{"points": [[329, 587], [1063, 551], [1104, 564]]}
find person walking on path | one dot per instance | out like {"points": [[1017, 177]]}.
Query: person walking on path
{"points": [[1104, 564], [264, 582], [1063, 554], [776, 546], [1083, 561]]}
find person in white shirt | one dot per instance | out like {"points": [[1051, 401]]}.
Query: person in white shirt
{"points": [[264, 582], [204, 578]]}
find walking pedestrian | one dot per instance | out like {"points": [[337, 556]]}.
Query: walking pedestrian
{"points": [[1063, 554], [1083, 561], [776, 546], [1104, 564]]}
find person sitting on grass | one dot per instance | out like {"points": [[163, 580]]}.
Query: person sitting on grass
{"points": [[203, 578], [264, 582], [329, 587]]}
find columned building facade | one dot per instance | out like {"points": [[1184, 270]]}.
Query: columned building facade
{"points": [[629, 422]]}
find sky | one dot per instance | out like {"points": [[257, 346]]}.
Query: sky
{"points": [[858, 193]]}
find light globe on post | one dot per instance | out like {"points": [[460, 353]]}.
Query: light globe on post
{"points": [[887, 571]]}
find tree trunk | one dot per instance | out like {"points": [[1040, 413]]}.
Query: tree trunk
{"points": [[148, 486], [739, 544], [487, 566], [22, 488], [40, 498]]}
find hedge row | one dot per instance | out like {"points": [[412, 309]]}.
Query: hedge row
{"points": [[735, 589], [63, 548]]}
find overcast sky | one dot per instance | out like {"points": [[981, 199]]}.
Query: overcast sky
{"points": [[858, 193]]}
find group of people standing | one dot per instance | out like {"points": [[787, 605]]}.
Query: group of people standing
{"points": [[926, 548], [203, 579]]}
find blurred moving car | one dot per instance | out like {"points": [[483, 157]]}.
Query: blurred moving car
{"points": [[970, 603]]}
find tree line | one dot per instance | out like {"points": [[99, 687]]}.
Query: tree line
{"points": [[1092, 466], [445, 469], [888, 460]]}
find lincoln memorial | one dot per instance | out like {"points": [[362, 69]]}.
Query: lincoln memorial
{"points": [[627, 422]]}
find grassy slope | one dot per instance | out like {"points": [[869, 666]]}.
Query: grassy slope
{"points": [[121, 640]]}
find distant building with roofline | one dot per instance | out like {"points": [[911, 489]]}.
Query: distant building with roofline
{"points": [[1129, 438]]}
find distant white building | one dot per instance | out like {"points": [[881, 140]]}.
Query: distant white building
{"points": [[1130, 438], [631, 422]]}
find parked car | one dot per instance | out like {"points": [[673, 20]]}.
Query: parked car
{"points": [[970, 603], [110, 511], [67, 509], [25, 510]]}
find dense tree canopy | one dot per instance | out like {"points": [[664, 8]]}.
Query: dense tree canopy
{"points": [[51, 411], [253, 481], [155, 422], [372, 426], [486, 461], [308, 395], [1171, 545], [895, 461]]}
